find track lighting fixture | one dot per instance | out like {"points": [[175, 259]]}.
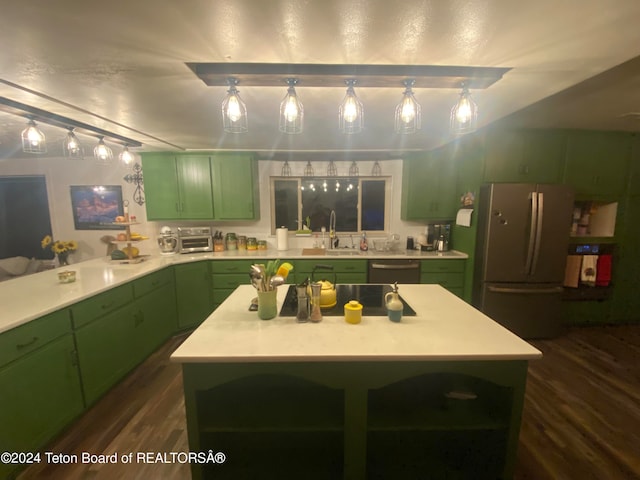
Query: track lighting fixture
{"points": [[33, 140]]}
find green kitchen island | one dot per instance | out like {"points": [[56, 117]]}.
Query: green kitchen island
{"points": [[438, 395]]}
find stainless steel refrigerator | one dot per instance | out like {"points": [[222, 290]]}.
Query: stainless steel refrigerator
{"points": [[521, 252]]}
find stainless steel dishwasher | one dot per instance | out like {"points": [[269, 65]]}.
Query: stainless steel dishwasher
{"points": [[401, 270]]}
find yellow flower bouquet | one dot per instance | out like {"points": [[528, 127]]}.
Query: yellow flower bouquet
{"points": [[62, 249]]}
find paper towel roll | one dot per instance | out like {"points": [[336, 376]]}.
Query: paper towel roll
{"points": [[282, 238]]}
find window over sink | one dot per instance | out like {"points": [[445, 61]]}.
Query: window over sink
{"points": [[360, 203]]}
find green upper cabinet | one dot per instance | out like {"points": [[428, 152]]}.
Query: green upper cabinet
{"points": [[200, 187], [235, 187], [177, 187], [429, 187], [524, 156], [597, 163]]}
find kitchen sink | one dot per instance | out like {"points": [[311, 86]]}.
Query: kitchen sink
{"points": [[348, 252]]}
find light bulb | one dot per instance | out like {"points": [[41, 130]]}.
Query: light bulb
{"points": [[234, 111], [34, 136], [350, 110], [291, 109], [408, 111]]}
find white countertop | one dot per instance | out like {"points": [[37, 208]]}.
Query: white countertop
{"points": [[26, 298], [444, 329]]}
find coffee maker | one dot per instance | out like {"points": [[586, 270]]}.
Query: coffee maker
{"points": [[441, 237]]}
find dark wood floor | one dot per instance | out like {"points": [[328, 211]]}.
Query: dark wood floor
{"points": [[581, 418]]}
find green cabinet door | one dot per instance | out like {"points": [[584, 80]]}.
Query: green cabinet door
{"points": [[193, 293], [39, 394], [194, 183], [235, 187], [597, 163], [524, 156], [428, 187], [177, 187], [155, 320], [106, 350], [161, 186]]}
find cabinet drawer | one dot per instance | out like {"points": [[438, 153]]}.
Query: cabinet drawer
{"points": [[151, 282], [233, 266], [446, 279], [230, 280], [92, 308], [346, 266], [442, 265], [33, 335]]}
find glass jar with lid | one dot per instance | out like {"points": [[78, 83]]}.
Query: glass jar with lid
{"points": [[252, 244], [262, 244], [242, 242], [232, 241]]}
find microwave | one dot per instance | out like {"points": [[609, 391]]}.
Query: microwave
{"points": [[194, 239]]}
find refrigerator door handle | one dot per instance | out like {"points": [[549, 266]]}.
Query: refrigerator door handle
{"points": [[525, 290], [536, 251], [532, 232]]}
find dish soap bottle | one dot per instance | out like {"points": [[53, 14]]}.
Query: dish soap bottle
{"points": [[394, 304], [364, 246]]}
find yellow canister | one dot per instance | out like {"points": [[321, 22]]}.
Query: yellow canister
{"points": [[353, 312]]}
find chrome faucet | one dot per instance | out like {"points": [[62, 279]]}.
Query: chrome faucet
{"points": [[332, 229]]}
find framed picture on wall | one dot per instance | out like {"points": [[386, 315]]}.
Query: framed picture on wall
{"points": [[95, 207]]}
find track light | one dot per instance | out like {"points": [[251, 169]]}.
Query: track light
{"points": [[408, 116], [291, 110], [71, 145], [33, 140], [126, 157], [350, 113], [102, 153], [234, 111], [464, 114]]}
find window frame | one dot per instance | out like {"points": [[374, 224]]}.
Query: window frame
{"points": [[299, 179]]}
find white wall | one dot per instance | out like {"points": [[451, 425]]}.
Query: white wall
{"points": [[60, 173]]}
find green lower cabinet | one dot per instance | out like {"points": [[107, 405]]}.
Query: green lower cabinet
{"points": [[193, 293], [40, 394], [105, 350], [448, 273], [156, 320], [226, 275], [346, 271]]}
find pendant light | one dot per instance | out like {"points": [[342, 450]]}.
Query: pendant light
{"points": [[376, 171], [71, 145], [126, 157], [332, 170], [308, 170], [354, 171], [408, 116], [102, 153], [234, 111], [464, 114], [33, 140], [350, 112], [291, 110], [286, 169]]}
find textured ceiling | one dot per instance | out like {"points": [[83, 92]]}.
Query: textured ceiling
{"points": [[121, 66]]}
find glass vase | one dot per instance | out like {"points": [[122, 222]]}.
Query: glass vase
{"points": [[63, 259]]}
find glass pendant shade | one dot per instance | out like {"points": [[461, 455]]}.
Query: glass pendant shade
{"points": [[464, 114], [102, 153], [126, 157], [291, 111], [286, 169], [234, 111], [354, 171], [376, 171], [350, 113], [408, 115], [33, 140], [71, 146], [308, 170]]}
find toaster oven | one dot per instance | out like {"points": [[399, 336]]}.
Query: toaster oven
{"points": [[194, 239]]}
